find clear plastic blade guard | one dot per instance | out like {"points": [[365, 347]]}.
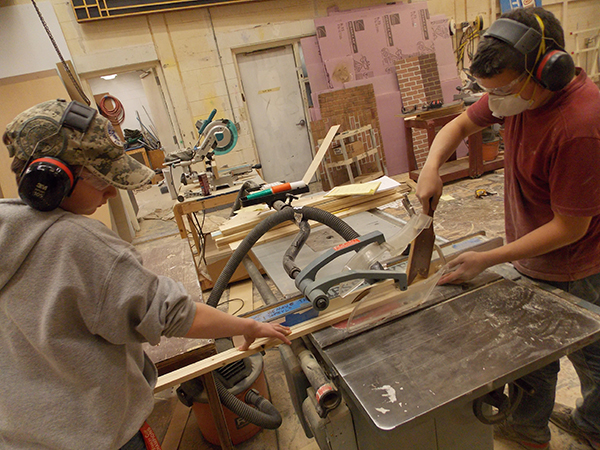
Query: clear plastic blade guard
{"points": [[373, 253], [367, 315]]}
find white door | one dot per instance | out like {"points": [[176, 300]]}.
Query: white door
{"points": [[160, 119], [272, 92]]}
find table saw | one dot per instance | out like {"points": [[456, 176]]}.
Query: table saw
{"points": [[410, 383]]}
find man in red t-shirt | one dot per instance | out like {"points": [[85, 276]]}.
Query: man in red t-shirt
{"points": [[551, 116]]}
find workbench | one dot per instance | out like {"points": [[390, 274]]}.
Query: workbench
{"points": [[456, 168], [195, 202]]}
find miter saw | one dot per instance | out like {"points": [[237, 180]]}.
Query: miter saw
{"points": [[215, 138]]}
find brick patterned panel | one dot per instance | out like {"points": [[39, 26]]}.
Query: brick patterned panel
{"points": [[351, 108], [431, 78], [412, 88], [419, 82]]}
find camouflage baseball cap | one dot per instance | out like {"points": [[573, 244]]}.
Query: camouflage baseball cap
{"points": [[98, 149]]}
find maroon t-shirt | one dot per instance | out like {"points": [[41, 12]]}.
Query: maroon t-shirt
{"points": [[552, 164]]}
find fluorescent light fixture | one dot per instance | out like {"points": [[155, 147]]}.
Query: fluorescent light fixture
{"points": [[109, 77]]}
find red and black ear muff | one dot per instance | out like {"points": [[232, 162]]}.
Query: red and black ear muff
{"points": [[45, 183], [555, 70]]}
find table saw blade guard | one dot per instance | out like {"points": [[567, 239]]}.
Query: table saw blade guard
{"points": [[376, 253], [366, 315]]}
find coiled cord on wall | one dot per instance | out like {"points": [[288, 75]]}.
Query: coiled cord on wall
{"points": [[116, 114]]}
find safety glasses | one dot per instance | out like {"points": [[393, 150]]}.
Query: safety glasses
{"points": [[507, 89], [93, 180]]}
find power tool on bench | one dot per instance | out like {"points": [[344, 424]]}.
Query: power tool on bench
{"points": [[216, 137]]}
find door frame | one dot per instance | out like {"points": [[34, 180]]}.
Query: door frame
{"points": [[156, 68], [295, 43]]}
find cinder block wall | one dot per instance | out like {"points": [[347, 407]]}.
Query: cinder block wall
{"points": [[200, 76]]}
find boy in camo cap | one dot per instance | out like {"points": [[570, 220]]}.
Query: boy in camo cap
{"points": [[76, 303], [99, 149]]}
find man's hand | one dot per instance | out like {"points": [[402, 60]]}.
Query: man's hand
{"points": [[269, 330], [429, 188], [465, 267]]}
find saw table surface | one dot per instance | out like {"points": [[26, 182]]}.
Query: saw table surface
{"points": [[321, 239], [459, 349]]}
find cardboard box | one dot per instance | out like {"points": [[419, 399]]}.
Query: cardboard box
{"points": [[356, 148], [216, 259]]}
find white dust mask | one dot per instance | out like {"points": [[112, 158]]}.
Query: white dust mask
{"points": [[510, 105]]}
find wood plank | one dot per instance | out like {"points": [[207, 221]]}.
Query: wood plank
{"points": [[176, 428], [290, 228], [216, 409], [320, 154], [378, 295], [249, 220], [69, 85]]}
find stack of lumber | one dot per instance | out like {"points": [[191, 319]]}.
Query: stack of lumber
{"points": [[235, 229]]}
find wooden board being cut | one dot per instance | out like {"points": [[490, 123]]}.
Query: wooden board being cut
{"points": [[379, 294]]}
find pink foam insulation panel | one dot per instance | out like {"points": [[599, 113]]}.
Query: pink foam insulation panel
{"points": [[363, 45], [314, 64], [373, 39]]}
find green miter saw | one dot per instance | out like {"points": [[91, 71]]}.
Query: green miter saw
{"points": [[220, 136], [215, 137]]}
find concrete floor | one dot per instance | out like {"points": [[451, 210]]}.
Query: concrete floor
{"points": [[459, 213]]}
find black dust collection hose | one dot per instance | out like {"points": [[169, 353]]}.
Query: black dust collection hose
{"points": [[267, 415], [285, 214]]}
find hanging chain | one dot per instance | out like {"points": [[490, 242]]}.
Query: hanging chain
{"points": [[75, 83]]}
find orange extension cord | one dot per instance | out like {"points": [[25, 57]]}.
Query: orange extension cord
{"points": [[116, 114]]}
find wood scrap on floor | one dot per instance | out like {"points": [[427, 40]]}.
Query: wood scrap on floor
{"points": [[176, 428], [242, 291]]}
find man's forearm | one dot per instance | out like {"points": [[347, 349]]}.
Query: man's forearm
{"points": [[558, 233]]}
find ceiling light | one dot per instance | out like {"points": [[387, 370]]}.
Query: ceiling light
{"points": [[109, 77]]}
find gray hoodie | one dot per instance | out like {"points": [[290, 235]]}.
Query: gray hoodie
{"points": [[75, 306]]}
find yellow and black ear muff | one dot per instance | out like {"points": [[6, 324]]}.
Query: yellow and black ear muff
{"points": [[553, 69]]}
